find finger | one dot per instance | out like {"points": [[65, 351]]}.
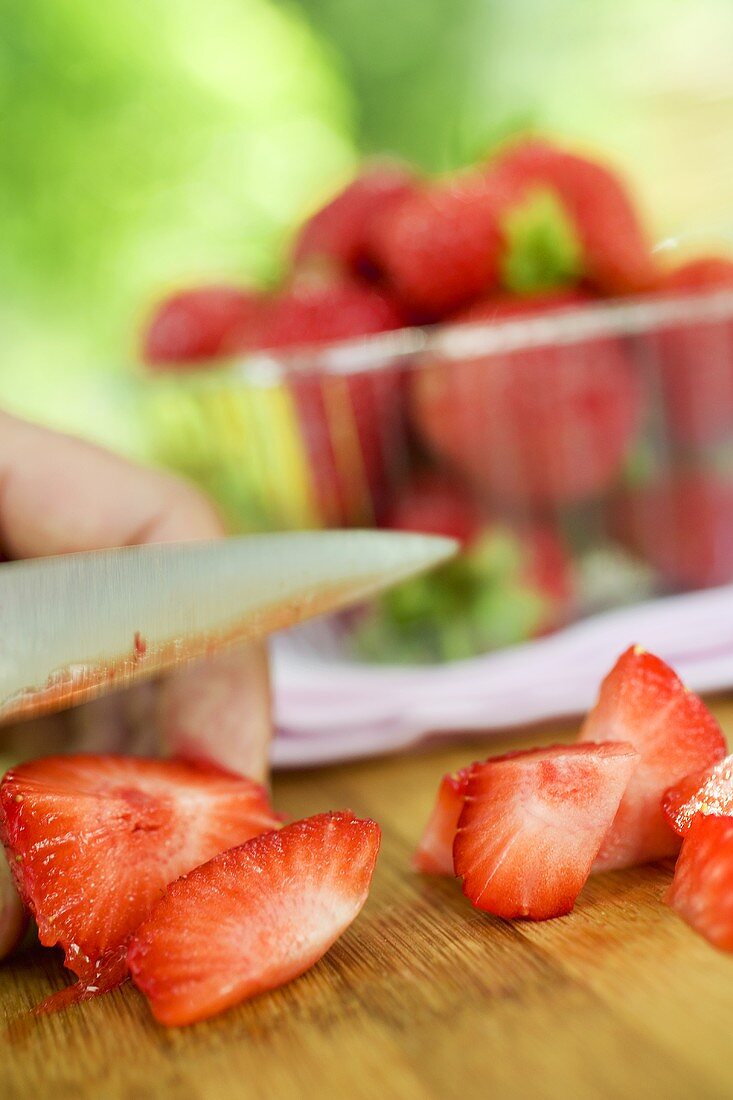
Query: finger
{"points": [[59, 495], [219, 710]]}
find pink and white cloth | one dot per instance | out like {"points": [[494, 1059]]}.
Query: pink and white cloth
{"points": [[329, 708]]}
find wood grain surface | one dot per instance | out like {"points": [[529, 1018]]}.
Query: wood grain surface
{"points": [[424, 997]]}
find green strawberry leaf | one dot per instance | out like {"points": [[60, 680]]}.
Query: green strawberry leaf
{"points": [[543, 251]]}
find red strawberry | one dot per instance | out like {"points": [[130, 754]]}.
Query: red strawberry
{"points": [[542, 425], [532, 823], [434, 855], [709, 791], [683, 526], [434, 504], [254, 917], [441, 246], [351, 423], [13, 917], [702, 888], [696, 359], [512, 582], [340, 232], [644, 702], [617, 257], [94, 840], [195, 324]]}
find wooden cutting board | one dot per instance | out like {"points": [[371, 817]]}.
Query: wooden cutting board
{"points": [[424, 997]]}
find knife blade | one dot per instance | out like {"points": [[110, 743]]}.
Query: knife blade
{"points": [[77, 626]]}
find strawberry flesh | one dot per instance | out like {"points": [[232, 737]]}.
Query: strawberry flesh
{"points": [[94, 840], [643, 701], [532, 823], [709, 791], [434, 855], [254, 917], [702, 888]]}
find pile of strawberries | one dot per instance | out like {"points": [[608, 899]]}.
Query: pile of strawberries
{"points": [[183, 878], [521, 440], [647, 775]]}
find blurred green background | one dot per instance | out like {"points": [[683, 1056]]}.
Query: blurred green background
{"points": [[152, 144]]}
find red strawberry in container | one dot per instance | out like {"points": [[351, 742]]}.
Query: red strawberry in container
{"points": [[616, 257], [339, 234], [545, 425], [441, 247], [682, 525], [195, 325], [351, 424], [696, 358], [511, 583]]}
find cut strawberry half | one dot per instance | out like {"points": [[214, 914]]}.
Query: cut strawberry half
{"points": [[254, 917], [709, 791], [702, 888], [434, 855], [644, 702], [94, 840], [532, 823]]}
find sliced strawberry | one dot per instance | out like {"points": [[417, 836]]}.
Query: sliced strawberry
{"points": [[13, 916], [94, 840], [539, 425], [196, 324], [702, 888], [340, 232], [644, 702], [709, 791], [434, 855], [532, 823], [254, 917]]}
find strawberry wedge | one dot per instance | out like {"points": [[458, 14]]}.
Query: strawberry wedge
{"points": [[702, 888], [254, 917], [434, 855], [644, 702], [94, 840], [709, 791], [532, 823]]}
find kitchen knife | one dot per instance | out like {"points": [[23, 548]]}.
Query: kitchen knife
{"points": [[76, 626]]}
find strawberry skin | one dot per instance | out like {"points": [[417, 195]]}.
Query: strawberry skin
{"points": [[434, 855], [696, 360], [340, 232], [709, 791], [532, 823], [441, 247], [94, 840], [195, 325], [644, 702], [617, 257], [433, 504], [682, 525], [254, 917], [535, 426], [702, 888]]}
